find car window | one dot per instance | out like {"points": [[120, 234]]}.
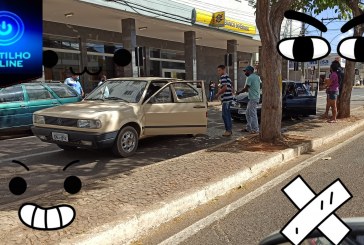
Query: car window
{"points": [[12, 94], [129, 91], [306, 89], [164, 96], [62, 91], [37, 92], [187, 92], [153, 88]]}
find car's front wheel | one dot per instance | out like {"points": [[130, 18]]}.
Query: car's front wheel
{"points": [[67, 147], [126, 143]]}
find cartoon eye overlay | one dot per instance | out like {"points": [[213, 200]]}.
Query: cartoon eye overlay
{"points": [[122, 57], [352, 48], [311, 48], [52, 218]]}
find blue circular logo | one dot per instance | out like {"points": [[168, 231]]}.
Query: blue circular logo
{"points": [[11, 28]]}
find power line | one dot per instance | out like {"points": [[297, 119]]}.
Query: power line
{"points": [[153, 11], [238, 12]]}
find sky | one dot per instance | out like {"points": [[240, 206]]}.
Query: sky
{"points": [[333, 34]]}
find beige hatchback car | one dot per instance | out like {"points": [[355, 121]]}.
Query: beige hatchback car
{"points": [[123, 110]]}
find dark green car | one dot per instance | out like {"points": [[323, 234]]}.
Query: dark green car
{"points": [[18, 102]]}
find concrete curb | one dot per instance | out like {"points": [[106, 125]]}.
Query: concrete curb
{"points": [[128, 230]]}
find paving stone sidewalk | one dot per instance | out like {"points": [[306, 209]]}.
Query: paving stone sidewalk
{"points": [[107, 203]]}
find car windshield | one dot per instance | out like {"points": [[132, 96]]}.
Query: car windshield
{"points": [[119, 90]]}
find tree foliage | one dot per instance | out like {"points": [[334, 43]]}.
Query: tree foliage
{"points": [[269, 18]]}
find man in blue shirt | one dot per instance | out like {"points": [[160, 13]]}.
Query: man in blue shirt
{"points": [[73, 82], [253, 87], [226, 98]]}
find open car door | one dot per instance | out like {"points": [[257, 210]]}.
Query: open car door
{"points": [[179, 107], [302, 100]]}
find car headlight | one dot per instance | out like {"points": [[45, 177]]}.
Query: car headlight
{"points": [[38, 119], [89, 123]]}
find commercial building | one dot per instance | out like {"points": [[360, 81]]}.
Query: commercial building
{"points": [[311, 69], [183, 39]]}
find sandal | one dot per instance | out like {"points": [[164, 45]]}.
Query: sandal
{"points": [[332, 121]]}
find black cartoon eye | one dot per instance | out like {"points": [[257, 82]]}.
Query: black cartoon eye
{"points": [[303, 49], [122, 57], [17, 186], [50, 58], [352, 48], [72, 184]]}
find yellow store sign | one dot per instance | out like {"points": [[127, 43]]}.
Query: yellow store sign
{"points": [[219, 20]]}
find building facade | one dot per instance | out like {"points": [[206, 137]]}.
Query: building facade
{"points": [[177, 38]]}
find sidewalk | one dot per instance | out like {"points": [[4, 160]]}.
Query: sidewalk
{"points": [[119, 209]]}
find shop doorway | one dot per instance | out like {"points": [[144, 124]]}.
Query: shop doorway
{"points": [[174, 73]]}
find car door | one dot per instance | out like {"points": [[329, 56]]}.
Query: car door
{"points": [[39, 98], [303, 101], [191, 106], [169, 113], [13, 107]]}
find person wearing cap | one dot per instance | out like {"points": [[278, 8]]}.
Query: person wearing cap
{"points": [[253, 88]]}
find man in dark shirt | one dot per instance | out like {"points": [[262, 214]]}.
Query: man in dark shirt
{"points": [[226, 98]]}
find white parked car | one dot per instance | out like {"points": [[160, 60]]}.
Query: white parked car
{"points": [[122, 110]]}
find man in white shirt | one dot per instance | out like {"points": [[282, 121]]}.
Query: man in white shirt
{"points": [[103, 79], [73, 82]]}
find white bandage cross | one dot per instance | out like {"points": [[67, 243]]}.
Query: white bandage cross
{"points": [[316, 211]]}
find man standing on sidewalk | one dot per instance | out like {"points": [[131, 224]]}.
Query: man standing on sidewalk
{"points": [[226, 99], [253, 87], [74, 82]]}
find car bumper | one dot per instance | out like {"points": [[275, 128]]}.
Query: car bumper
{"points": [[79, 139], [237, 112]]}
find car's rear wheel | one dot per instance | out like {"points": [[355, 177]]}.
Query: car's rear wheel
{"points": [[126, 143], [67, 147]]}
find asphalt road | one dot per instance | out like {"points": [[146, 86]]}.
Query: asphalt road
{"points": [[271, 210], [46, 161]]}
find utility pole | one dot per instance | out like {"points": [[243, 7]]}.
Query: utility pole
{"points": [[288, 61], [319, 61], [302, 63]]}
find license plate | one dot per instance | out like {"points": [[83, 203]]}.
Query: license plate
{"points": [[60, 137], [241, 111]]}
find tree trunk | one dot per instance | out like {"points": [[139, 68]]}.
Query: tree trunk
{"points": [[345, 96], [269, 20], [271, 119]]}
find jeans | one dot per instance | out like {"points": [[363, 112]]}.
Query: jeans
{"points": [[251, 116], [212, 93], [226, 116]]}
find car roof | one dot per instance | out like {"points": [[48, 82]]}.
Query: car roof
{"points": [[143, 79]]}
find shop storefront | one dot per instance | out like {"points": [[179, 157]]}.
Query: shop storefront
{"points": [[167, 63], [83, 42]]}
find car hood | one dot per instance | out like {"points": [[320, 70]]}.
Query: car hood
{"points": [[88, 109]]}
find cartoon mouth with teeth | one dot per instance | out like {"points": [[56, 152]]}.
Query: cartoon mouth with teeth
{"points": [[40, 218]]}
